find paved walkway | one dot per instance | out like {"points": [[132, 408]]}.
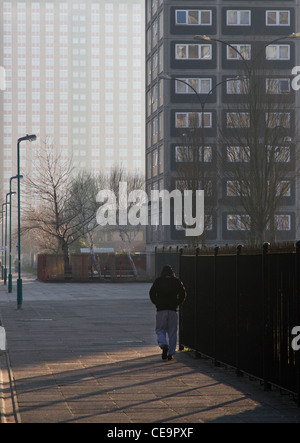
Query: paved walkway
{"points": [[84, 353]]}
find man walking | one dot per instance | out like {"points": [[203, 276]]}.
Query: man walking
{"points": [[167, 293]]}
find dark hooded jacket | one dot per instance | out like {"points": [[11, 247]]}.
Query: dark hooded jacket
{"points": [[167, 292]]}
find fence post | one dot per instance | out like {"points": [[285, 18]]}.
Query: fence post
{"points": [[267, 346], [298, 317], [216, 363], [180, 347], [238, 372], [197, 252]]}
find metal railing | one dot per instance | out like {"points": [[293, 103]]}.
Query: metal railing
{"points": [[242, 306]]}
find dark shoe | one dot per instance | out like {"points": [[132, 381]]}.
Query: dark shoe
{"points": [[164, 354], [170, 357]]}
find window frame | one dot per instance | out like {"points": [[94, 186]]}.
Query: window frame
{"points": [[242, 86], [277, 11], [282, 154], [277, 47], [277, 222], [238, 11], [239, 223], [187, 154], [234, 188], [188, 89], [277, 117], [187, 118], [238, 114], [241, 155], [237, 55], [277, 82], [207, 154], [188, 157], [200, 11], [187, 50], [284, 189]]}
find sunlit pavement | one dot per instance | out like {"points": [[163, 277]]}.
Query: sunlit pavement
{"points": [[87, 353]]}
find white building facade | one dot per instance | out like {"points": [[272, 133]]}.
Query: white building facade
{"points": [[74, 77]]}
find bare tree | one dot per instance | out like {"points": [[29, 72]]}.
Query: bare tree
{"points": [[196, 169], [48, 211], [83, 202], [127, 232], [260, 142]]}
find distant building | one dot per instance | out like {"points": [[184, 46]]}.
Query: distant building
{"points": [[176, 112], [75, 77]]}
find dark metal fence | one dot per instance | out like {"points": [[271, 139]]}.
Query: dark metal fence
{"points": [[241, 308]]}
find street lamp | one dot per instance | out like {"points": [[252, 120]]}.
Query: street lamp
{"points": [[249, 69], [5, 268], [19, 281], [202, 102], [10, 219], [213, 39]]}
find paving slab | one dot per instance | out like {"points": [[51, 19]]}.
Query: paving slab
{"points": [[86, 353]]}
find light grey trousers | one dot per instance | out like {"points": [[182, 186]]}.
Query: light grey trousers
{"points": [[166, 328]]}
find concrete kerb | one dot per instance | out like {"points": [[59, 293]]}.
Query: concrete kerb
{"points": [[2, 389], [9, 411]]}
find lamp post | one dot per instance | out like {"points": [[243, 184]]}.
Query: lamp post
{"points": [[9, 194], [202, 102], [10, 219], [2, 243], [248, 69], [262, 136], [19, 281]]}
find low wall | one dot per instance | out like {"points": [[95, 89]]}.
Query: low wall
{"points": [[81, 268]]}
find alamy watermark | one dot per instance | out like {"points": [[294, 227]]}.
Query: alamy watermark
{"points": [[135, 208], [296, 341], [296, 79]]}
